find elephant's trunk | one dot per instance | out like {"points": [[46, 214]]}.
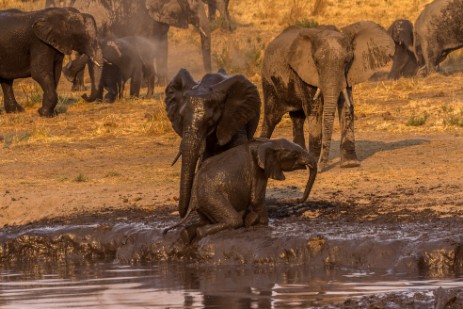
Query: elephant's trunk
{"points": [[330, 100], [312, 167], [189, 148], [95, 68]]}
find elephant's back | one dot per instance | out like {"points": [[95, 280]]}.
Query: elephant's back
{"points": [[275, 63]]}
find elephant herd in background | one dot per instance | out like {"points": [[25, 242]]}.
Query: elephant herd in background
{"points": [[419, 48], [308, 72]]}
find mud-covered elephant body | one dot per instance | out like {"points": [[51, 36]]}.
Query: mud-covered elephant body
{"points": [[438, 31], [33, 44], [152, 20], [212, 115], [229, 188], [404, 63], [310, 73]]}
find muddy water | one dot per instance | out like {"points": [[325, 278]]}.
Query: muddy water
{"points": [[291, 264]]}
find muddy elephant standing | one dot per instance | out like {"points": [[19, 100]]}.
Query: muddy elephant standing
{"points": [[33, 44], [438, 31], [310, 72], [229, 188], [211, 116], [150, 19], [404, 63]]}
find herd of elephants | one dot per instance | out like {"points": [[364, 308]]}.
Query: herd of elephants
{"points": [[306, 72]]}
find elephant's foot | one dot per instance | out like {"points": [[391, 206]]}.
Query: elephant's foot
{"points": [[251, 219], [46, 112], [349, 160], [14, 108]]}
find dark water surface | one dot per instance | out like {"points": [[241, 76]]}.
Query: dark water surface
{"points": [[172, 285]]}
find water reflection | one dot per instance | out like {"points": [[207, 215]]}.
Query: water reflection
{"points": [[108, 285]]}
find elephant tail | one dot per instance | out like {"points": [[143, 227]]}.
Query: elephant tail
{"points": [[184, 219]]}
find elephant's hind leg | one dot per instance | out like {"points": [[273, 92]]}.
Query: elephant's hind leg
{"points": [[11, 106], [222, 213]]}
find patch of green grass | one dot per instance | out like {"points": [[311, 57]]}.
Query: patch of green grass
{"points": [[417, 120], [80, 178], [307, 23], [112, 174], [451, 117]]}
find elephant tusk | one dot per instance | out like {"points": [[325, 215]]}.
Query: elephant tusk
{"points": [[96, 62], [346, 97], [202, 31], [176, 158], [317, 94]]}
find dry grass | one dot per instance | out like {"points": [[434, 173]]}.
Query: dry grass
{"points": [[408, 105]]}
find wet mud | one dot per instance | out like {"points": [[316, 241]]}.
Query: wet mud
{"points": [[425, 249]]}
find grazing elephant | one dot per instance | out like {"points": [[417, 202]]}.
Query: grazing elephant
{"points": [[404, 63], [124, 58], [438, 31], [212, 115], [150, 19], [33, 44], [222, 6], [305, 71], [229, 188]]}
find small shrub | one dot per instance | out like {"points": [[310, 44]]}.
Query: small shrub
{"points": [[307, 23], [112, 174], [417, 120], [80, 178]]}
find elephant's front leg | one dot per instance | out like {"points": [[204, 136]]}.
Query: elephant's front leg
{"points": [[315, 127], [346, 118], [45, 76], [258, 213], [11, 106]]}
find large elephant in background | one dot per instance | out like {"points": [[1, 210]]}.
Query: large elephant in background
{"points": [[310, 72], [212, 115], [404, 63], [33, 44], [438, 31], [150, 19]]}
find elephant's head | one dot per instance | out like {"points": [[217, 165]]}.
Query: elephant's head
{"points": [[334, 61], [181, 13], [67, 30], [401, 32], [208, 115], [279, 155]]}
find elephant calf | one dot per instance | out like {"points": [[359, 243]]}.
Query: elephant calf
{"points": [[229, 188], [124, 58]]}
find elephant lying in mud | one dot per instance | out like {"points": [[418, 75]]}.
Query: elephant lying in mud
{"points": [[124, 58], [229, 188], [212, 115]]}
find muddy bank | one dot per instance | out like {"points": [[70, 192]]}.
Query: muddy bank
{"points": [[433, 250]]}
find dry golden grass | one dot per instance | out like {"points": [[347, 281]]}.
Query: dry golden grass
{"points": [[408, 105]]}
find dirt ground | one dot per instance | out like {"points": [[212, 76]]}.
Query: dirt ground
{"points": [[103, 160]]}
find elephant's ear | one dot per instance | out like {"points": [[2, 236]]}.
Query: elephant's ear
{"points": [[267, 160], [53, 27], [171, 12], [241, 106], [181, 83], [300, 57], [373, 49]]}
